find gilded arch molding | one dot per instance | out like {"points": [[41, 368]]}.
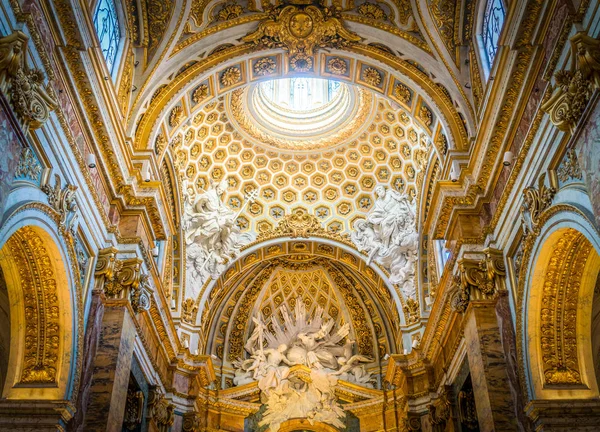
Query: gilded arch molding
{"points": [[551, 295], [37, 278], [53, 341], [231, 301]]}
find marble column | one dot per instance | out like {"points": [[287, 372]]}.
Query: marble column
{"points": [[509, 346], [90, 346], [112, 366], [487, 364]]}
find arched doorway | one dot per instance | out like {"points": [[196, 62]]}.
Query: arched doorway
{"points": [[40, 317]]}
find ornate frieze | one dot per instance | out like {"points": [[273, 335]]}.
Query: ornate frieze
{"points": [[575, 86], [480, 275], [24, 87]]}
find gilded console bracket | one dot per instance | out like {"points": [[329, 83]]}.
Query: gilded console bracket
{"points": [[478, 279]]}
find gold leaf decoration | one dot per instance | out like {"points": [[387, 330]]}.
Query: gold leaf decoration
{"points": [[176, 116], [301, 63], [300, 224], [372, 11], [200, 93], [301, 29], [337, 66], [41, 306], [229, 12], [425, 115], [402, 93], [265, 66], [372, 76], [230, 76]]}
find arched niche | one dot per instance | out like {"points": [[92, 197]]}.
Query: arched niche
{"points": [[558, 311], [224, 321], [41, 316]]}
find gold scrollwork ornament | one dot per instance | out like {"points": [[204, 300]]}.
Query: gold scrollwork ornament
{"points": [[301, 30], [24, 87], [574, 87], [537, 200]]}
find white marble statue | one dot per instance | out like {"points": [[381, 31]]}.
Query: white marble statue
{"points": [[212, 236], [388, 235], [298, 339]]}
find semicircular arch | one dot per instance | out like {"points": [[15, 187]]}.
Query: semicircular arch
{"points": [[555, 293]]}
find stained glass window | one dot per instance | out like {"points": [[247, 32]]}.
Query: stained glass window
{"points": [[493, 20], [106, 23]]}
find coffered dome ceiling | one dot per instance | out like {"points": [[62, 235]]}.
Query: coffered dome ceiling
{"points": [[312, 114], [335, 182]]}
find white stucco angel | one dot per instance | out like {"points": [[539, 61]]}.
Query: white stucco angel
{"points": [[212, 236], [389, 237], [297, 339]]}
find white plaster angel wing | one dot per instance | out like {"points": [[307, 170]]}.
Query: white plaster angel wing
{"points": [[286, 331], [339, 335]]}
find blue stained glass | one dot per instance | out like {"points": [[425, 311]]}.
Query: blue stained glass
{"points": [[493, 20], [106, 23], [332, 88]]}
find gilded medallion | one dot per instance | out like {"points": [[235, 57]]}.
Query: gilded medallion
{"points": [[301, 25]]}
